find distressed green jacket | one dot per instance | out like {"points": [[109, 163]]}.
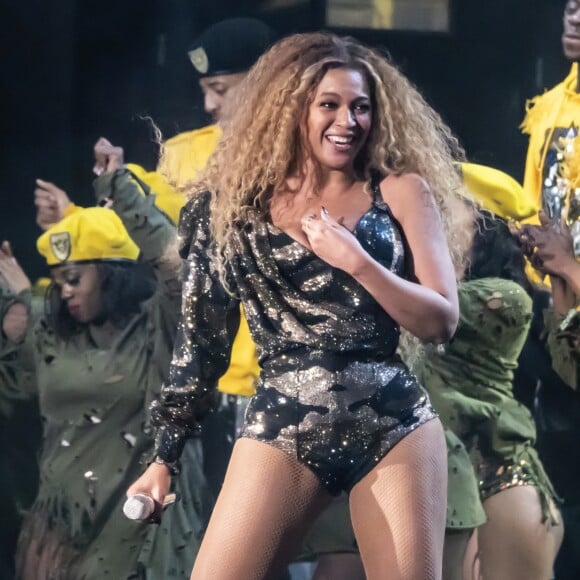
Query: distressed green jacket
{"points": [[94, 397], [470, 385]]}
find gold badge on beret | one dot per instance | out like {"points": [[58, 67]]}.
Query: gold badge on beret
{"points": [[199, 60], [60, 244]]}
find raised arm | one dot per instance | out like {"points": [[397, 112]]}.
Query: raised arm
{"points": [[14, 320], [14, 283], [19, 316], [134, 202], [52, 204], [155, 234]]}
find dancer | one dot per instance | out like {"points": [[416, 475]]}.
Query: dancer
{"points": [[492, 460], [329, 263], [19, 421], [99, 354], [550, 118], [221, 57], [549, 247], [552, 122]]}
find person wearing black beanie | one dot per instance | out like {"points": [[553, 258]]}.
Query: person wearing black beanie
{"points": [[223, 53]]}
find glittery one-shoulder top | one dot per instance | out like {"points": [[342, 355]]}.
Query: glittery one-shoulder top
{"points": [[293, 300]]}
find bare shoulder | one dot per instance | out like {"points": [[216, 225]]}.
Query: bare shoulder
{"points": [[406, 193]]}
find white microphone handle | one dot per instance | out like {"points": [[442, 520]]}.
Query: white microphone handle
{"points": [[139, 507]]}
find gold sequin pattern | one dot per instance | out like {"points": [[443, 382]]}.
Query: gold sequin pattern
{"points": [[331, 386]]}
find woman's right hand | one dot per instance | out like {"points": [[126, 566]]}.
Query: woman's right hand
{"points": [[333, 242], [554, 246], [548, 247], [50, 202], [155, 482]]}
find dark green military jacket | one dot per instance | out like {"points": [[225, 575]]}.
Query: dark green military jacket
{"points": [[470, 385], [94, 395], [564, 344]]}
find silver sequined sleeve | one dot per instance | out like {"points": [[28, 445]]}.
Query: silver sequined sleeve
{"points": [[209, 321]]}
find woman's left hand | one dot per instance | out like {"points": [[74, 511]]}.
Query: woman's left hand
{"points": [[11, 272], [108, 157], [333, 243]]}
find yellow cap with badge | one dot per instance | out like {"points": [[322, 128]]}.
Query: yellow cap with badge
{"points": [[496, 191], [89, 234]]}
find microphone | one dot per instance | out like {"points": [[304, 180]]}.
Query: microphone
{"points": [[139, 507], [142, 507]]}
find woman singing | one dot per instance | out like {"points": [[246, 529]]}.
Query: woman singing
{"points": [[330, 211]]}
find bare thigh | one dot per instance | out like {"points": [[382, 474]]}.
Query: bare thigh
{"points": [[471, 563], [398, 509], [514, 544], [339, 567], [265, 507], [454, 553]]}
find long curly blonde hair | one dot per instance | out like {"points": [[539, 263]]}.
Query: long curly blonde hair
{"points": [[263, 143]]}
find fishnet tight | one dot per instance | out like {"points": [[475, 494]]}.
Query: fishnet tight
{"points": [[269, 500], [398, 510]]}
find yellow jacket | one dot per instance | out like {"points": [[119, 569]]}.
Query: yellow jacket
{"points": [[186, 154], [548, 117], [557, 109]]}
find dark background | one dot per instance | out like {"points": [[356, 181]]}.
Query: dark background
{"points": [[73, 70]]}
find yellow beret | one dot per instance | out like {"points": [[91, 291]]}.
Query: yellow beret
{"points": [[496, 191], [167, 199], [92, 233]]}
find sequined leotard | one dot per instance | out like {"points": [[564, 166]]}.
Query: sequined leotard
{"points": [[332, 392]]}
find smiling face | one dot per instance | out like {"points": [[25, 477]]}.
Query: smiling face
{"points": [[217, 90], [80, 290], [339, 118], [571, 34]]}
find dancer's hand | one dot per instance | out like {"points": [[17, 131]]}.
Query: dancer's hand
{"points": [[548, 246], [333, 243], [108, 157], [155, 482], [554, 246], [13, 276], [15, 321], [50, 202]]}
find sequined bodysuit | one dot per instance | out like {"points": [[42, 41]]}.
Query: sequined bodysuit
{"points": [[332, 392]]}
